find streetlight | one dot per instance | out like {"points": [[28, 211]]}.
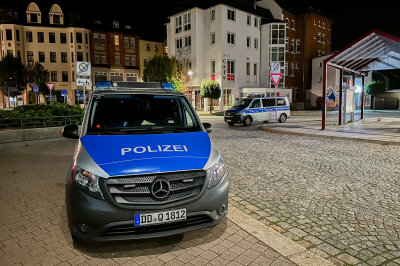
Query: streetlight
{"points": [[190, 73]]}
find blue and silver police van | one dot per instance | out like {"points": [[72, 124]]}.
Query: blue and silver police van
{"points": [[248, 110], [143, 167]]}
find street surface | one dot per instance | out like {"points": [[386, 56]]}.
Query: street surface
{"points": [[338, 199]]}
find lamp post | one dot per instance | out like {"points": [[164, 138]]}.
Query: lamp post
{"points": [[190, 73]]}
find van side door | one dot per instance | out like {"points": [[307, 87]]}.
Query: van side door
{"points": [[255, 110], [269, 109]]}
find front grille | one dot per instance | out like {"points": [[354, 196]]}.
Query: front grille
{"points": [[131, 229], [136, 190]]}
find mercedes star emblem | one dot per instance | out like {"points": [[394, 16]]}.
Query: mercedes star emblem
{"points": [[160, 189]]}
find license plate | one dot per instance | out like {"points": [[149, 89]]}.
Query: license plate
{"points": [[160, 217], [228, 120]]}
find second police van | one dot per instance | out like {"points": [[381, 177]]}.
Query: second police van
{"points": [[250, 110]]}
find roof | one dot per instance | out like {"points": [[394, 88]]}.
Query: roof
{"points": [[300, 8], [375, 50], [152, 91], [243, 5]]}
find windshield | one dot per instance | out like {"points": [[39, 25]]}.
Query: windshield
{"points": [[139, 114], [242, 103]]}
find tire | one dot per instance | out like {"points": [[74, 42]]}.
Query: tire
{"points": [[282, 118], [247, 121], [231, 124]]}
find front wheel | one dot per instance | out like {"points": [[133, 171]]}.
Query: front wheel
{"points": [[247, 121], [282, 118]]}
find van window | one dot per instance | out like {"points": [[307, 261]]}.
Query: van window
{"points": [[136, 113], [281, 102], [268, 102], [256, 104]]}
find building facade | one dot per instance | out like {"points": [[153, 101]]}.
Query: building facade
{"points": [[44, 38], [148, 50], [232, 44], [115, 56]]}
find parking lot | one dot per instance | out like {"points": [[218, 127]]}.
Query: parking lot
{"points": [[338, 199]]}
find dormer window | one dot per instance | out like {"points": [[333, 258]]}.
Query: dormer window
{"points": [[115, 24], [56, 15], [33, 14]]}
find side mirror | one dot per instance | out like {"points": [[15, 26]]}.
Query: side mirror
{"points": [[207, 127], [70, 131]]}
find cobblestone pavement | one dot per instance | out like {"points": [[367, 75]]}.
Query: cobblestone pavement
{"points": [[338, 199], [33, 226]]}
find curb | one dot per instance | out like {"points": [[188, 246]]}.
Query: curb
{"points": [[281, 244], [329, 137]]}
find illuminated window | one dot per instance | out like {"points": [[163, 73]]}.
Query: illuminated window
{"points": [[116, 40]]}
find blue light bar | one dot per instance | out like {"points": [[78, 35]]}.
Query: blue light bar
{"points": [[168, 86]]}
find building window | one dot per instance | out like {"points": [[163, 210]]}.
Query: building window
{"points": [[63, 37], [64, 57], [34, 18], [286, 69], [287, 22], [315, 23], [298, 48], [133, 60], [71, 37], [248, 42], [95, 39], [64, 76], [29, 36], [178, 24], [148, 47], [79, 56], [56, 19], [319, 23], [8, 35], [212, 66], [231, 69], [292, 67], [54, 76], [73, 75], [102, 39], [42, 57], [104, 58], [212, 38], [96, 58], [131, 77], [17, 35], [248, 68], [287, 45], [30, 56], [72, 57], [117, 76], [323, 38], [293, 24], [231, 14], [188, 40], [156, 48], [255, 70], [127, 60], [53, 57], [212, 14], [132, 42], [179, 43], [323, 25], [116, 40], [126, 42], [40, 36], [19, 54], [255, 43], [231, 38], [277, 34], [292, 48], [52, 37], [78, 37], [86, 38], [115, 24], [10, 52], [117, 59], [319, 37], [186, 21], [255, 22], [249, 20], [145, 61]]}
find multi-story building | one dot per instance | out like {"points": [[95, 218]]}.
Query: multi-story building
{"points": [[231, 42], [147, 50], [42, 36], [308, 34], [115, 53]]}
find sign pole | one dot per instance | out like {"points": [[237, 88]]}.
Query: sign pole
{"points": [[276, 75], [84, 97], [276, 107], [35, 98]]}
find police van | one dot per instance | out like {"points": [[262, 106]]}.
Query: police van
{"points": [[258, 109], [144, 166]]}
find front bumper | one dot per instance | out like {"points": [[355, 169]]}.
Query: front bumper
{"points": [[107, 221], [233, 118]]}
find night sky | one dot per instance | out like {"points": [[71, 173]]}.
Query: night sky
{"points": [[352, 18]]}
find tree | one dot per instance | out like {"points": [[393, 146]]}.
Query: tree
{"points": [[180, 81], [160, 69], [37, 74], [12, 74], [210, 89], [375, 88]]}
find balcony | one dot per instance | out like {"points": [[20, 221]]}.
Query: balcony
{"points": [[184, 50]]}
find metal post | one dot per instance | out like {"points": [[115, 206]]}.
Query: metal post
{"points": [[84, 97], [362, 97], [340, 96], [276, 107], [324, 75], [353, 76], [35, 98]]}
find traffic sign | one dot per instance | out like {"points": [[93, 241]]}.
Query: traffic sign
{"points": [[275, 68], [50, 85], [64, 92], [276, 78], [83, 69], [78, 93], [35, 87], [83, 82]]}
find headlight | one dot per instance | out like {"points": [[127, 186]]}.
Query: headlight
{"points": [[87, 182], [216, 172]]}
